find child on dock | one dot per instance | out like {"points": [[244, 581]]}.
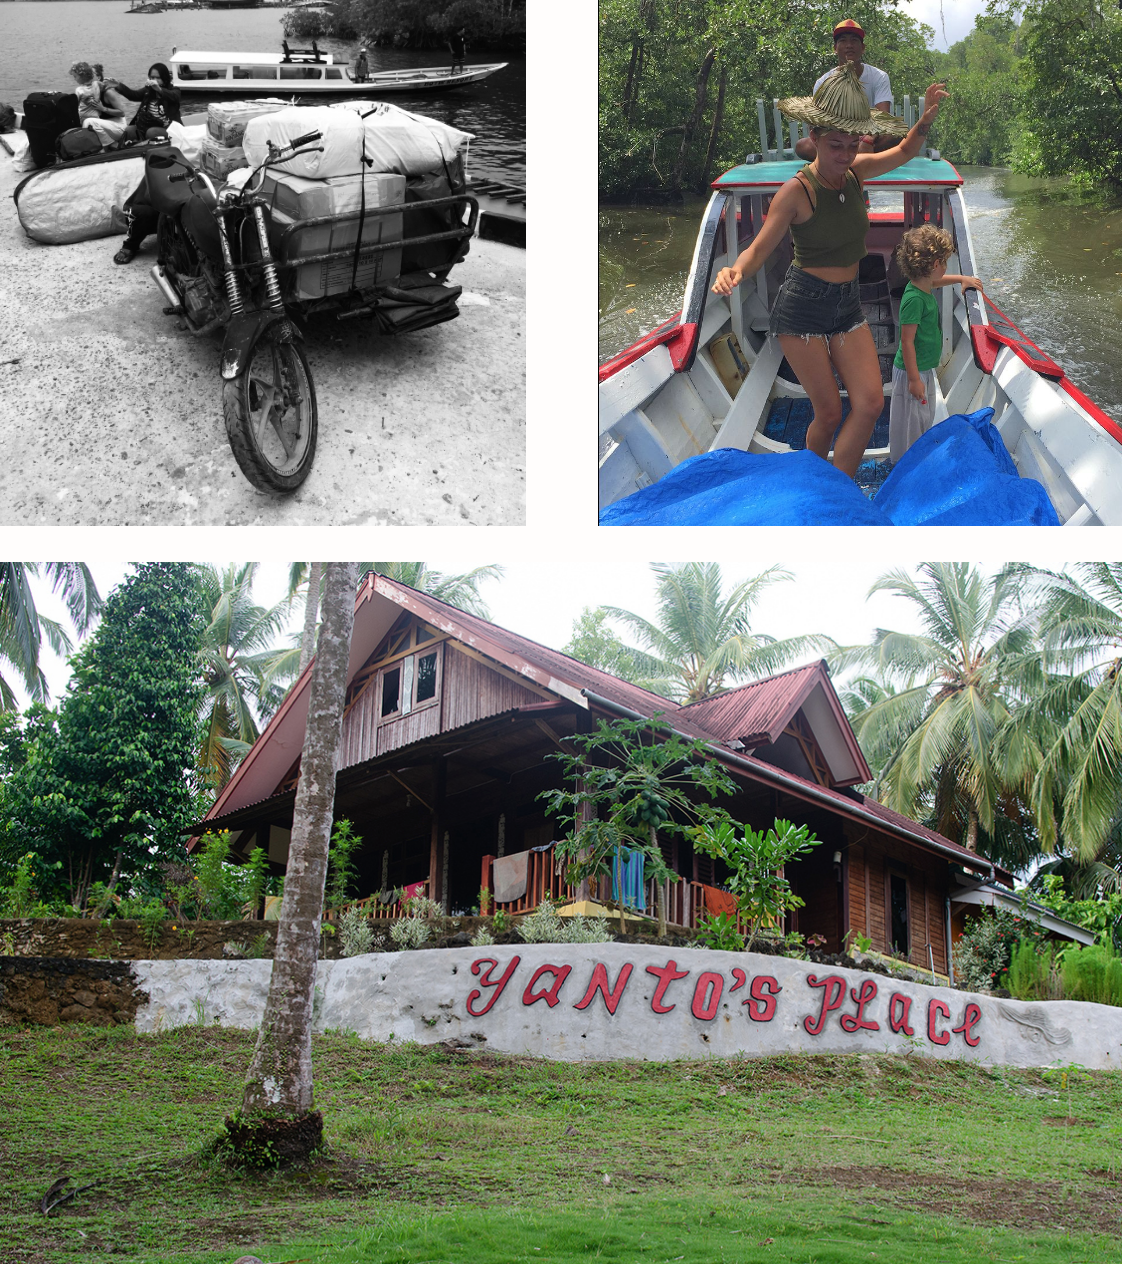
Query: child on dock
{"points": [[922, 255]]}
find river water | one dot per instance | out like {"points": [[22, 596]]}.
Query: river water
{"points": [[1050, 260], [42, 38]]}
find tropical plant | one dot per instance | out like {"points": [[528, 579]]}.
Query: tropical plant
{"points": [[545, 925], [985, 948], [422, 916], [277, 1115], [106, 786], [944, 695], [23, 629], [702, 638], [1092, 974], [1034, 972], [356, 935], [626, 783], [720, 933], [340, 863], [755, 859], [240, 664]]}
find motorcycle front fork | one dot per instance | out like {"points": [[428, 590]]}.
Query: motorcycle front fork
{"points": [[235, 292]]}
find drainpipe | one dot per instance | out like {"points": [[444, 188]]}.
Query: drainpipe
{"points": [[950, 954]]}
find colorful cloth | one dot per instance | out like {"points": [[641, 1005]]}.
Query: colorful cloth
{"points": [[627, 879], [718, 901]]}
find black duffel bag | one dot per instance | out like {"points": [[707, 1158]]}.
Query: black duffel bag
{"points": [[415, 302], [46, 115]]}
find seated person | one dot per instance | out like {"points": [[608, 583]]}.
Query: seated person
{"points": [[107, 122], [159, 103], [849, 47]]}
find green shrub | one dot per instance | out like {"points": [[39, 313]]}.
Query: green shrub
{"points": [[720, 933], [1092, 974], [982, 955], [340, 863], [1034, 973], [546, 926], [355, 933], [418, 924]]}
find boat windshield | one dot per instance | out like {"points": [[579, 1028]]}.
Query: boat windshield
{"points": [[255, 72], [201, 70]]}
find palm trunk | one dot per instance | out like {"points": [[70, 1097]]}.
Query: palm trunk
{"points": [[311, 614], [278, 1122], [972, 831]]}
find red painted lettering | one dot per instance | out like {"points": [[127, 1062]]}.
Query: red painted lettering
{"points": [[560, 973], [833, 993], [899, 1008], [933, 1010], [761, 1005], [666, 975], [740, 977], [486, 981], [854, 1022], [599, 983], [707, 996], [971, 1017]]}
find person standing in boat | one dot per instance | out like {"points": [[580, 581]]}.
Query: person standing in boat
{"points": [[457, 44], [159, 103], [922, 255], [362, 66], [849, 48], [817, 313]]}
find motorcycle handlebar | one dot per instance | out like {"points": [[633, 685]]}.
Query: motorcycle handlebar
{"points": [[305, 140]]}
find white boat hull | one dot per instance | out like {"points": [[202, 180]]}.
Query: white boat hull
{"points": [[670, 397]]}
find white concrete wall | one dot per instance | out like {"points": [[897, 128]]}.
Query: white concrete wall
{"points": [[673, 1003]]}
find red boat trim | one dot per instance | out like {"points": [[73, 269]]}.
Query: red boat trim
{"points": [[1096, 413], [660, 334], [681, 346]]}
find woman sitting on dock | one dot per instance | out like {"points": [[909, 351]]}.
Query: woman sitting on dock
{"points": [[159, 103], [817, 314]]}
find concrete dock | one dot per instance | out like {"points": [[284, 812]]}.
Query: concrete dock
{"points": [[110, 414]]}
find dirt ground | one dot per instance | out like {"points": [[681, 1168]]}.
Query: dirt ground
{"points": [[112, 415]]}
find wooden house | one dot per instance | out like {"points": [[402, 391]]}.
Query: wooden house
{"points": [[450, 719]]}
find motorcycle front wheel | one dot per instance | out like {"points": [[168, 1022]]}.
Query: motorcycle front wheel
{"points": [[270, 412]]}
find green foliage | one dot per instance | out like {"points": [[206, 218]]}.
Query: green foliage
{"points": [[482, 937], [634, 782], [1071, 104], [1103, 915], [1034, 972], [663, 65], [980, 123], [545, 926], [340, 860], [593, 642], [983, 953], [153, 917], [422, 916], [501, 922], [1092, 974], [18, 899], [109, 780], [720, 933], [415, 23], [763, 895], [355, 932]]}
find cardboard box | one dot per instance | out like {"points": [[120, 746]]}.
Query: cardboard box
{"points": [[219, 160], [302, 198], [315, 280], [226, 120]]}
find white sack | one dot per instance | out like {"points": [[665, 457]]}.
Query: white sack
{"points": [[59, 205], [188, 140], [342, 136], [405, 143]]}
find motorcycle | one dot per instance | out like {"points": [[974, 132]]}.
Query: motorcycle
{"points": [[222, 264]]}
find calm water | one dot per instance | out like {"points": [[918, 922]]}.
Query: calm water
{"points": [[1052, 263], [42, 38]]}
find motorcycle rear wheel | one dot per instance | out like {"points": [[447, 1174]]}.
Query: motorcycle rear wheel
{"points": [[270, 413]]}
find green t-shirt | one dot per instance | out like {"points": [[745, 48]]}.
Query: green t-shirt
{"points": [[921, 310]]}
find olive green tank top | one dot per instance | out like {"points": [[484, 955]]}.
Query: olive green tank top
{"points": [[834, 236]]}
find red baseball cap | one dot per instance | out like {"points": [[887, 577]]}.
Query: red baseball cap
{"points": [[848, 27]]}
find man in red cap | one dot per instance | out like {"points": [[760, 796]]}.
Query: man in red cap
{"points": [[849, 45]]}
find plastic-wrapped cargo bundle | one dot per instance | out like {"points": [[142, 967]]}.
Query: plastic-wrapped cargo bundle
{"points": [[226, 121], [338, 152], [410, 144], [306, 199]]}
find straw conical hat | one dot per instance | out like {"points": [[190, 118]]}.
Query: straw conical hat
{"points": [[841, 105]]}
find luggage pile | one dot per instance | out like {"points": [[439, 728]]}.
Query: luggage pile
{"points": [[226, 122]]}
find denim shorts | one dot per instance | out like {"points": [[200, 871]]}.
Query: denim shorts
{"points": [[808, 307]]}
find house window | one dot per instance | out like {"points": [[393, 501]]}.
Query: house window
{"points": [[411, 683], [898, 909], [391, 691]]}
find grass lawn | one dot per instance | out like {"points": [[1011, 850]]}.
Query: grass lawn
{"points": [[444, 1156]]}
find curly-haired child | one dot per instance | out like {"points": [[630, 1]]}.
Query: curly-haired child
{"points": [[922, 255]]}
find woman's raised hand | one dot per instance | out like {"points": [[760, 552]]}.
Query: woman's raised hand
{"points": [[727, 280], [933, 96]]}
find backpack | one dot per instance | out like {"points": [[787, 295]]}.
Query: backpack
{"points": [[46, 115], [77, 142]]}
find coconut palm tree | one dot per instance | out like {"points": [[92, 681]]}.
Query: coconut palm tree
{"points": [[944, 696], [278, 1104], [702, 640], [1077, 788], [238, 659], [23, 629]]}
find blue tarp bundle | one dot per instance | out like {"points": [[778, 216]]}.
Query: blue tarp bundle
{"points": [[958, 474]]}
